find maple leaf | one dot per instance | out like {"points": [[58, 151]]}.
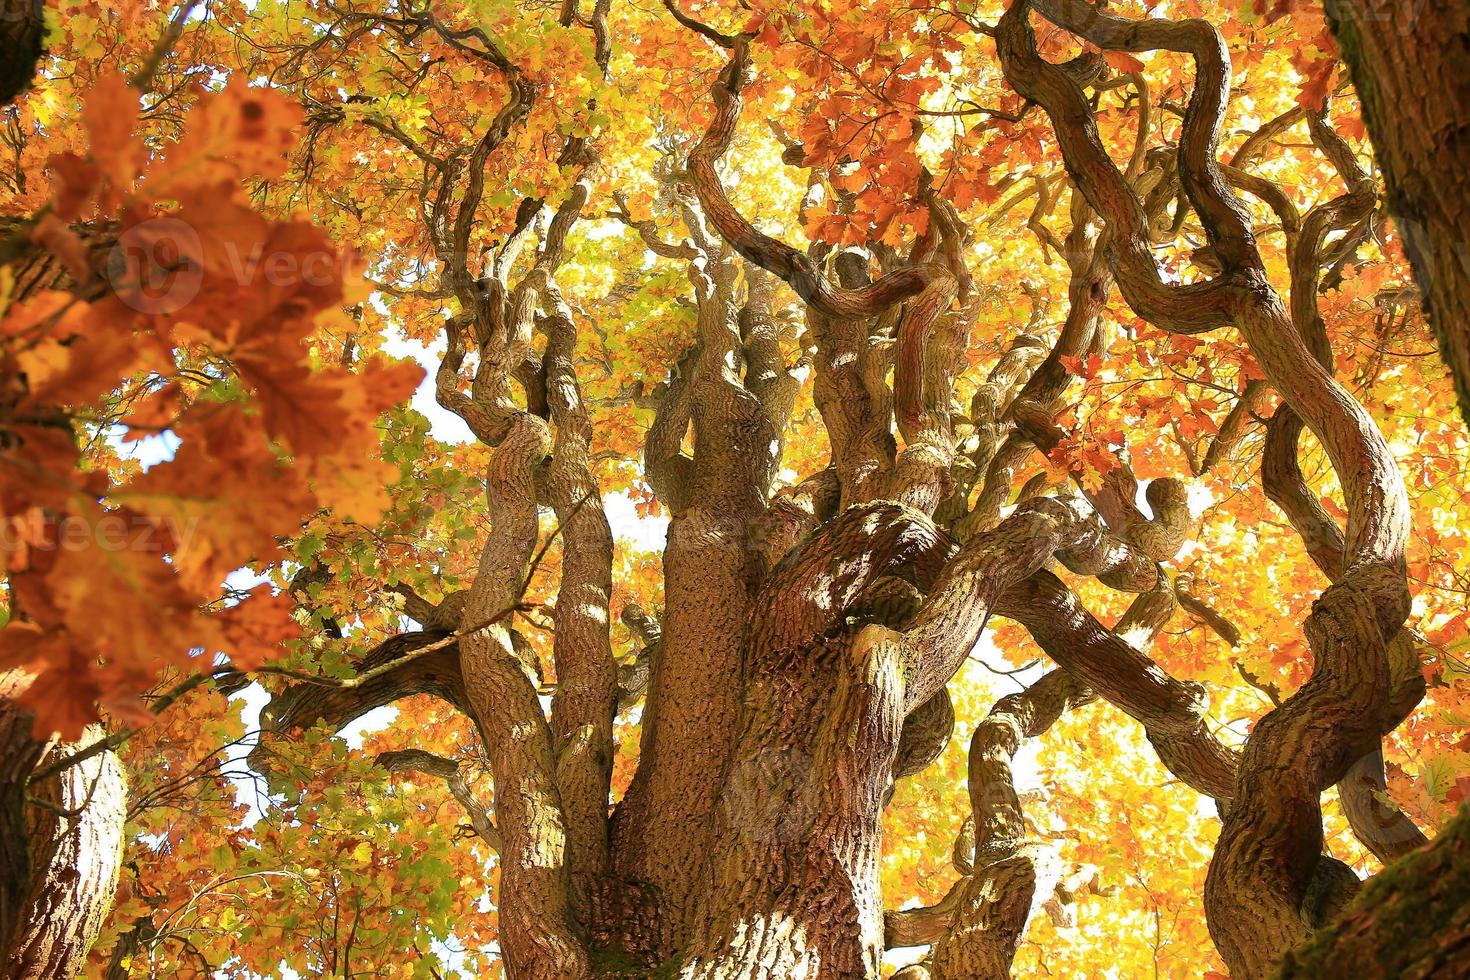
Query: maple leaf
{"points": [[1320, 76], [76, 180], [229, 499], [38, 473], [326, 417], [257, 286], [1460, 792], [1096, 464], [81, 359], [301, 407], [257, 628], [237, 132], [1087, 367]]}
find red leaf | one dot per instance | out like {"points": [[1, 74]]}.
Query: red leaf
{"points": [[1320, 76]]}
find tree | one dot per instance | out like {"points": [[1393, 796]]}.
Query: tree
{"points": [[1412, 88], [759, 462]]}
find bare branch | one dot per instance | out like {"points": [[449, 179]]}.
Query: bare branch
{"points": [[417, 760]]}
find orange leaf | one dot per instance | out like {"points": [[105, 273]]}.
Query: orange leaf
{"points": [[1123, 62], [1320, 76], [63, 690], [226, 497], [256, 628], [52, 234], [110, 115], [239, 132]]}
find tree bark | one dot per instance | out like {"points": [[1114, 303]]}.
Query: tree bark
{"points": [[1410, 920], [1410, 64], [805, 641], [22, 29], [60, 849], [1260, 886]]}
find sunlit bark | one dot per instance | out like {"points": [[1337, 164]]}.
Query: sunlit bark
{"points": [[61, 841]]}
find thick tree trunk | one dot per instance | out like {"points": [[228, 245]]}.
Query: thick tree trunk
{"points": [[790, 886], [22, 29], [805, 642], [60, 851], [1410, 63], [1411, 920], [794, 891], [18, 755]]}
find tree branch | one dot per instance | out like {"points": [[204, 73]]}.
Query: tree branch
{"points": [[417, 760]]}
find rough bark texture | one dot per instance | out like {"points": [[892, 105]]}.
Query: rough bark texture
{"points": [[1271, 842], [798, 668], [1010, 875], [1410, 64], [1410, 920], [60, 849], [19, 754]]}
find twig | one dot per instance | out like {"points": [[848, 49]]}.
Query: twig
{"points": [[119, 737], [698, 27], [143, 78]]}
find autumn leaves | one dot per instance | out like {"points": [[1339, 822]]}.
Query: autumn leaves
{"points": [[182, 310]]}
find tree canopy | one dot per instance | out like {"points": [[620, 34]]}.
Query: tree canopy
{"points": [[722, 489]]}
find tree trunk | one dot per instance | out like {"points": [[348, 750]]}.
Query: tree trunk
{"points": [[794, 888], [1410, 63], [801, 637], [22, 28], [60, 850], [1411, 920]]}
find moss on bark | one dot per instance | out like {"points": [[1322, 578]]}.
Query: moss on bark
{"points": [[1410, 922]]}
